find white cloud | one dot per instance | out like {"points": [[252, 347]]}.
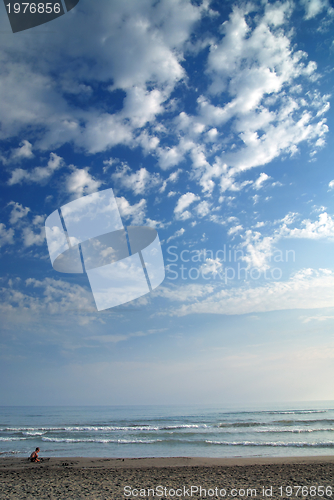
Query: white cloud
{"points": [[18, 212], [183, 202], [57, 297], [331, 184], [235, 230], [316, 318], [249, 63], [155, 223], [258, 184], [37, 174], [256, 66], [142, 106], [259, 249], [36, 87], [314, 7], [322, 228], [205, 172], [211, 266], [170, 156], [6, 235], [177, 233], [24, 151], [307, 289], [38, 220], [134, 212], [184, 215], [173, 177], [275, 14], [203, 208], [80, 182], [139, 182], [102, 132], [31, 238], [289, 218]]}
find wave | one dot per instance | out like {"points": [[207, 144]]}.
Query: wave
{"points": [[34, 433], [32, 429], [295, 412], [241, 424], [309, 421], [320, 444], [3, 439], [278, 412], [289, 444], [137, 427], [88, 440], [295, 431], [105, 428], [275, 422]]}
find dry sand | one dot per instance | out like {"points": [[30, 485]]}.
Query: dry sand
{"points": [[102, 478]]}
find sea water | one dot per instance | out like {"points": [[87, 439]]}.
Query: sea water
{"points": [[169, 431]]}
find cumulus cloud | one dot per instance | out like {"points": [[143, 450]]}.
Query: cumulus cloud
{"points": [[136, 212], [24, 151], [203, 208], [183, 202], [31, 238], [234, 230], [256, 68], [171, 156], [80, 182], [142, 106], [173, 177], [258, 184], [18, 212], [139, 182], [6, 235], [259, 249], [255, 65], [322, 228], [37, 88], [38, 174], [314, 7]]}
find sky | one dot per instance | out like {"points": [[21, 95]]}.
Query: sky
{"points": [[212, 123]]}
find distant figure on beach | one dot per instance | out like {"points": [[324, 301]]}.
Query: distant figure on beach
{"points": [[34, 456]]}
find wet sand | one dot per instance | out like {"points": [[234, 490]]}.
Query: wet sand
{"points": [[103, 478]]}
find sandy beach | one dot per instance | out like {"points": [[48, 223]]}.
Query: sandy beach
{"points": [[103, 478]]}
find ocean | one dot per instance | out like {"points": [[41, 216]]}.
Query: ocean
{"points": [[168, 431]]}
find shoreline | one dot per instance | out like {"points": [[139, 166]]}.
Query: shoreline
{"points": [[158, 462]]}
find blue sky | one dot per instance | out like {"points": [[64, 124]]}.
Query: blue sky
{"points": [[211, 121]]}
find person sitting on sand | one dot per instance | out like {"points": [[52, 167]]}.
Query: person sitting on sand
{"points": [[34, 456]]}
